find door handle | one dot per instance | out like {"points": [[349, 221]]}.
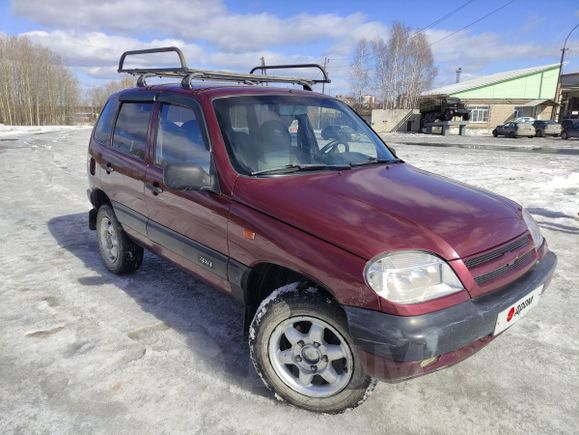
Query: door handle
{"points": [[154, 187]]}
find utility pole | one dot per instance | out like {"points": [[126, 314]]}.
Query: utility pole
{"points": [[326, 62], [458, 72], [263, 71]]}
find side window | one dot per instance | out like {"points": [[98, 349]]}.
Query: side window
{"points": [[102, 131], [181, 138], [130, 134]]}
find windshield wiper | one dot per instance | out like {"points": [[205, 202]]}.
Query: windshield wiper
{"points": [[286, 169], [375, 161]]}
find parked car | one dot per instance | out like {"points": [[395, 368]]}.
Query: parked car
{"points": [[514, 129], [572, 131], [351, 264], [566, 123], [547, 128], [527, 119]]}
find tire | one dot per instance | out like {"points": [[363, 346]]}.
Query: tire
{"points": [[512, 135], [291, 336], [564, 135], [495, 134], [539, 133], [119, 253]]}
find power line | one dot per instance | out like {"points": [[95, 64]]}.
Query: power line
{"points": [[474, 22], [441, 19], [371, 55]]}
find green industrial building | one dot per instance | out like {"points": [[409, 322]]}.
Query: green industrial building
{"points": [[498, 98]]}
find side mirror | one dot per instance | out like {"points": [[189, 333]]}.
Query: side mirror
{"points": [[187, 177]]}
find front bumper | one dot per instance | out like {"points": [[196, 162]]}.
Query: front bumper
{"points": [[393, 347]]}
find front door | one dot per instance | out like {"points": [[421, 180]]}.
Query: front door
{"points": [[190, 227]]}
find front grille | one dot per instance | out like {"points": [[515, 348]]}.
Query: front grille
{"points": [[513, 246], [519, 262]]}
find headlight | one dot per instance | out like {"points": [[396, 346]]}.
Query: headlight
{"points": [[409, 277], [533, 229]]}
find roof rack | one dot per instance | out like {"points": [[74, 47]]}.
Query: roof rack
{"points": [[188, 74]]}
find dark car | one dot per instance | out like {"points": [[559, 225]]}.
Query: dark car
{"points": [[570, 131], [352, 265], [514, 129], [566, 123], [547, 128]]}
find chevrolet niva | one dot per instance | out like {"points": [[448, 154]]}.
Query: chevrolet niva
{"points": [[353, 266]]}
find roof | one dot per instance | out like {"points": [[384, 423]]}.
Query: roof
{"points": [[488, 80], [534, 103]]}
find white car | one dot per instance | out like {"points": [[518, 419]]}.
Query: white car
{"points": [[526, 119]]}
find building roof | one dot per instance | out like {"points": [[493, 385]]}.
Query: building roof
{"points": [[488, 80]]}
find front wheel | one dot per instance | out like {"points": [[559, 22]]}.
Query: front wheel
{"points": [[301, 348], [564, 135], [495, 133]]}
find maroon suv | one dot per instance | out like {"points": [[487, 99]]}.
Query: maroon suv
{"points": [[352, 265]]}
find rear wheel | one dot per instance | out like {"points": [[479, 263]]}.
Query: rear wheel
{"points": [[512, 135], [495, 133], [301, 348], [564, 135], [119, 253]]}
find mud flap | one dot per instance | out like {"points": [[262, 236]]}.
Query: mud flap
{"points": [[92, 215]]}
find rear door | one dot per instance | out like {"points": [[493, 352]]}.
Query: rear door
{"points": [[189, 226], [123, 162]]}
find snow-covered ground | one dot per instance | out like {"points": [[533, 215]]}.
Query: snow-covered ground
{"points": [[83, 351]]}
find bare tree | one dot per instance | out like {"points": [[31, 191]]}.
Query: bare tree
{"points": [[360, 72], [98, 95], [402, 67], [35, 87]]}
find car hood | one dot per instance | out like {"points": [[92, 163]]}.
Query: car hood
{"points": [[373, 209]]}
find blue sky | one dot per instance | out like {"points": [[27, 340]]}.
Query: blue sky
{"points": [[233, 35]]}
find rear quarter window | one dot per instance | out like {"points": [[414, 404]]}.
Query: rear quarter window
{"points": [[131, 129], [104, 125]]}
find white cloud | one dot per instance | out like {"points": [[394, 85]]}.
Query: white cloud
{"points": [[101, 52], [90, 36], [121, 16], [194, 20]]}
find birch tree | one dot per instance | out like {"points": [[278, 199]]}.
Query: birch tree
{"points": [[360, 72], [35, 87], [401, 68]]}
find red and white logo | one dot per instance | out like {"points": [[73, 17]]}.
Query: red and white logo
{"points": [[511, 314]]}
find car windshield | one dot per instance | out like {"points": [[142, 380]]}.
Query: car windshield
{"points": [[285, 134]]}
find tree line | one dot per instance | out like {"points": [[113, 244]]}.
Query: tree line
{"points": [[396, 71], [35, 87]]}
